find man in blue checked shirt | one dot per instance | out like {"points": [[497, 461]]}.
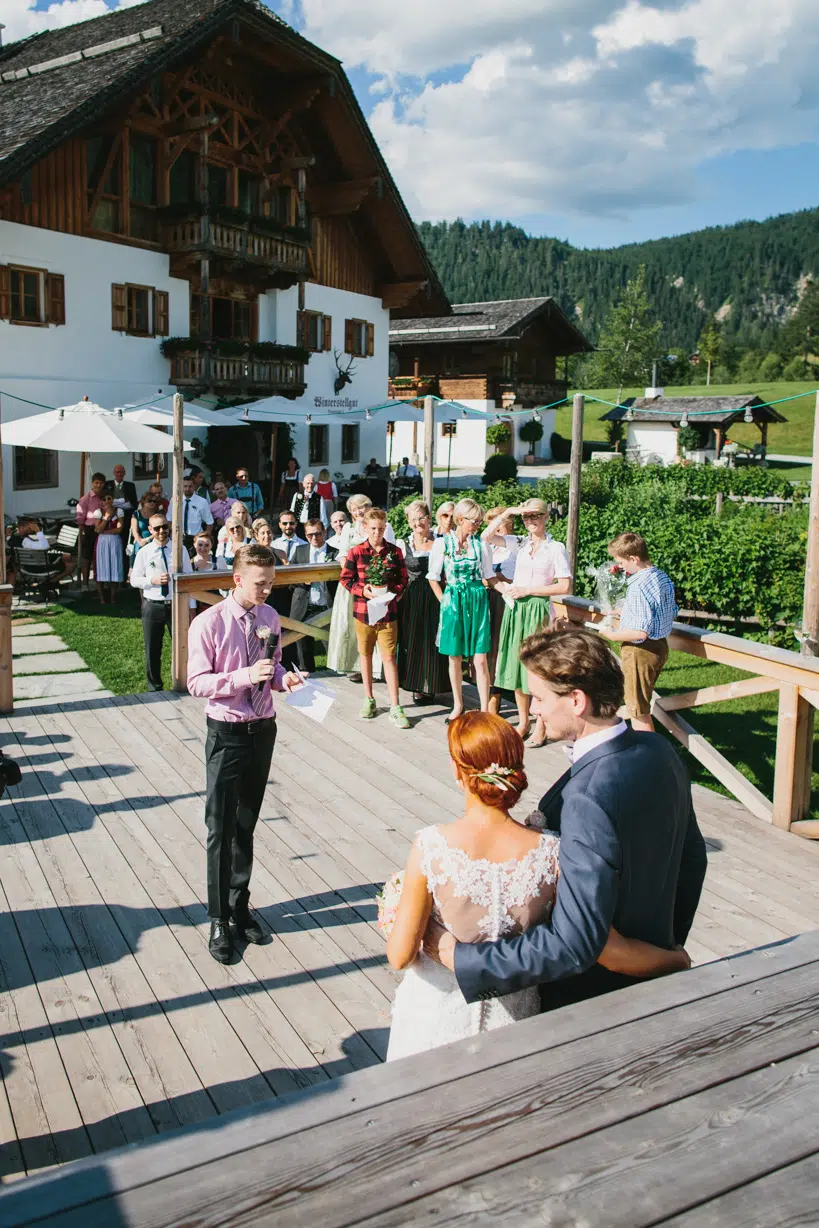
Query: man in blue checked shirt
{"points": [[646, 620]]}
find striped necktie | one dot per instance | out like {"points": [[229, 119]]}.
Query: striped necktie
{"points": [[258, 694]]}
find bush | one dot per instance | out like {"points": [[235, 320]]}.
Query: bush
{"points": [[795, 370], [498, 433], [500, 468], [531, 431], [771, 367]]}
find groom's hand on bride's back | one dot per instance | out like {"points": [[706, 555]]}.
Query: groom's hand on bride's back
{"points": [[439, 945]]}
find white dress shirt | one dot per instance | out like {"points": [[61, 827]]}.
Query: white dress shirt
{"points": [[287, 545], [582, 746], [151, 561], [318, 589], [36, 541], [196, 511]]}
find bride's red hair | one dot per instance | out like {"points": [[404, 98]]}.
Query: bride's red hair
{"points": [[476, 741]]}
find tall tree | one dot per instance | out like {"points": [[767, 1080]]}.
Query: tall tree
{"points": [[802, 330], [710, 344], [629, 339]]}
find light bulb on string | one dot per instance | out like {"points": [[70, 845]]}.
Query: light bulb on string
{"points": [[308, 419], [629, 414], [748, 416], [368, 416], [684, 421]]}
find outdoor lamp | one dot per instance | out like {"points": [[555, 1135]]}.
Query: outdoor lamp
{"points": [[748, 416], [684, 420], [308, 419], [368, 416]]}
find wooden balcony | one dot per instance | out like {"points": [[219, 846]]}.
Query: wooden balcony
{"points": [[411, 388], [276, 261], [236, 375]]}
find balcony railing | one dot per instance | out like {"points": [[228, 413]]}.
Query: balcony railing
{"points": [[477, 388], [236, 243], [410, 387], [202, 370]]}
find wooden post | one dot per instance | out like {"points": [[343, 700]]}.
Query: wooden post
{"points": [[429, 448], [794, 744], [810, 607], [719, 503], [3, 561], [575, 474], [718, 433], [6, 677], [181, 616]]}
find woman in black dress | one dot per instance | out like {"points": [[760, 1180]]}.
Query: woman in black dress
{"points": [[421, 668]]}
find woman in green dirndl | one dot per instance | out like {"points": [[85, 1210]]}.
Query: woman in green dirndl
{"points": [[542, 571], [464, 628]]}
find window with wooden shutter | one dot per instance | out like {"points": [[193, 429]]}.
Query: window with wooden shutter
{"points": [[119, 308], [301, 328], [349, 332], [161, 310], [55, 298], [328, 332], [5, 292], [370, 340]]}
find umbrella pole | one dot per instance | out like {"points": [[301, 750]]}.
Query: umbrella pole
{"points": [[6, 593], [83, 464], [180, 617], [3, 563]]}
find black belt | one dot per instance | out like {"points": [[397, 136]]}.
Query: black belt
{"points": [[243, 728]]}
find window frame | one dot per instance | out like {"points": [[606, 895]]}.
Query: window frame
{"points": [[21, 270], [131, 288], [314, 458], [324, 333], [359, 338], [54, 469], [347, 459]]}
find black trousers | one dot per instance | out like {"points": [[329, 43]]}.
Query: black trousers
{"points": [[156, 616], [237, 764], [306, 647]]}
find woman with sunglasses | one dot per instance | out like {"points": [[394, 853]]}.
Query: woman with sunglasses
{"points": [[464, 628], [542, 571], [237, 536], [443, 519]]}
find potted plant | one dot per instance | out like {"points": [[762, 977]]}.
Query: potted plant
{"points": [[498, 434], [531, 432], [688, 439], [376, 573]]}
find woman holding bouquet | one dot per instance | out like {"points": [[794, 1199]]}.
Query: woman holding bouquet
{"points": [[464, 628], [541, 571]]}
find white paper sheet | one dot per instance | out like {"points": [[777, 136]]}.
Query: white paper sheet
{"points": [[377, 608], [311, 699]]}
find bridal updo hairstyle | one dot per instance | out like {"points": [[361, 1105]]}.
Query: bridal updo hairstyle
{"points": [[477, 741]]}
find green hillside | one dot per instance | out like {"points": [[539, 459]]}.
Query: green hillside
{"points": [[751, 270]]}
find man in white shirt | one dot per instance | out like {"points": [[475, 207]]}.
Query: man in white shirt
{"points": [[311, 599], [287, 543], [152, 573], [196, 514], [405, 469]]}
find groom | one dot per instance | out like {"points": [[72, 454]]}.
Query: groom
{"points": [[631, 853]]}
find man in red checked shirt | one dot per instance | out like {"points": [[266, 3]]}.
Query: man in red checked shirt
{"points": [[372, 558]]}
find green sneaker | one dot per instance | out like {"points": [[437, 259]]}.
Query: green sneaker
{"points": [[399, 717], [367, 710]]}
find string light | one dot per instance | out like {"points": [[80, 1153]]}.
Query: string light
{"points": [[368, 416], [748, 416], [684, 420], [629, 414], [308, 419]]}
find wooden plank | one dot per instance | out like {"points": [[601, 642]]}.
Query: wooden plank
{"points": [[792, 747], [6, 680], [787, 1197], [810, 695], [809, 828], [682, 1066], [717, 764], [717, 694]]}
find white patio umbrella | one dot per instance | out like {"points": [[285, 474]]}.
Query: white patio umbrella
{"points": [[86, 427], [156, 415]]}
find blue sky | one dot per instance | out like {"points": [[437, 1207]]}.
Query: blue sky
{"points": [[598, 121]]}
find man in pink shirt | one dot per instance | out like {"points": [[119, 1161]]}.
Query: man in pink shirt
{"points": [[89, 511], [234, 662]]}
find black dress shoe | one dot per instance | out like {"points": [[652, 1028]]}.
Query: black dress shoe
{"points": [[243, 925], [220, 944]]}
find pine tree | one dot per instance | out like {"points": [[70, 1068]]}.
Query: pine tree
{"points": [[629, 339], [801, 333], [710, 344]]}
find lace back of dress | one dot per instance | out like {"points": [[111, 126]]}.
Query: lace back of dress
{"points": [[479, 900]]}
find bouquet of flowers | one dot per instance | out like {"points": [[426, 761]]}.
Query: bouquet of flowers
{"points": [[377, 569], [387, 900]]}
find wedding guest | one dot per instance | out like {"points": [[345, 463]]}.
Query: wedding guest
{"points": [[228, 666], [246, 491], [220, 504], [290, 483], [443, 519], [196, 513], [152, 573], [286, 544], [503, 862], [86, 513], [30, 536], [503, 563], [372, 467], [199, 485], [155, 489], [140, 533], [237, 536], [406, 470], [541, 571], [646, 620], [337, 523], [261, 532], [239, 512], [308, 600], [371, 568], [203, 557], [108, 563], [464, 561], [329, 493], [342, 649], [309, 505], [125, 498], [421, 668]]}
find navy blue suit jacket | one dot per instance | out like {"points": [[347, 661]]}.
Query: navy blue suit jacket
{"points": [[631, 855]]}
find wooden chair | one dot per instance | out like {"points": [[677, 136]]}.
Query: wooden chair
{"points": [[38, 571]]}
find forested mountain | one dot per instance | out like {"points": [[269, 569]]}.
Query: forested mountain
{"points": [[749, 274]]}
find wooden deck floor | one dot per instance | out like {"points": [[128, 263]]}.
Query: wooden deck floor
{"points": [[116, 1022]]}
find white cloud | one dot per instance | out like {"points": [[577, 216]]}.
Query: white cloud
{"points": [[21, 18], [596, 107]]}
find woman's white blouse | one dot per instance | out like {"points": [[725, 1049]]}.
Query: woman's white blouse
{"points": [[436, 559], [549, 563]]}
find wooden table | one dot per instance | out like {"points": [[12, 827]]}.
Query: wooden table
{"points": [[691, 1101]]}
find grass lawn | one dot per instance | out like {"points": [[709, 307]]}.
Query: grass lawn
{"points": [[794, 437]]}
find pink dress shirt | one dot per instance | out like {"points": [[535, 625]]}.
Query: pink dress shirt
{"points": [[217, 661], [220, 509], [86, 507]]}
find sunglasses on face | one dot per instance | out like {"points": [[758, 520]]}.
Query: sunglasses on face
{"points": [[315, 533], [533, 515], [159, 528], [288, 524], [237, 528]]}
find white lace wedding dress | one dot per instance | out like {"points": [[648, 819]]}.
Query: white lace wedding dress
{"points": [[477, 901]]}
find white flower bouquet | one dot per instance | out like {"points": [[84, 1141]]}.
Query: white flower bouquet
{"points": [[387, 900]]}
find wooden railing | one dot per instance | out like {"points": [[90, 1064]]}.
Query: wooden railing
{"points": [[407, 388], [278, 375], [238, 242], [204, 586], [795, 677]]}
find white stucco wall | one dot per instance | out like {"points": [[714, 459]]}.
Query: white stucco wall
{"points": [[58, 365], [542, 449], [659, 438], [469, 446]]}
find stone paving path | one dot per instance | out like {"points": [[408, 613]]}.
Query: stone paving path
{"points": [[45, 670]]}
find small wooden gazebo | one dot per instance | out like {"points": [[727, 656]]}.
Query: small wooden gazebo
{"points": [[718, 413]]}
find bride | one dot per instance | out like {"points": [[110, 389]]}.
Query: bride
{"points": [[483, 877]]}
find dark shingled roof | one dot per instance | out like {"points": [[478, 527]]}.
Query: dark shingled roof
{"points": [[502, 320], [721, 410]]}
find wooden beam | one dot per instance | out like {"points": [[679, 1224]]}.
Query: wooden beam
{"points": [[811, 696], [807, 828], [717, 694], [196, 123], [340, 199], [724, 771], [575, 473], [116, 145], [398, 294], [180, 611], [793, 743], [6, 676]]}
